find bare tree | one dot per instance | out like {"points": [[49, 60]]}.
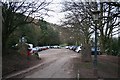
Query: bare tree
{"points": [[109, 21], [16, 14], [79, 15]]}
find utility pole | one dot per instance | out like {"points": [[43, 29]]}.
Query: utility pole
{"points": [[95, 16]]}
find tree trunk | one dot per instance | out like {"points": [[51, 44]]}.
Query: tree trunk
{"points": [[101, 28], [86, 53], [102, 45], [5, 38], [22, 48], [4, 45]]}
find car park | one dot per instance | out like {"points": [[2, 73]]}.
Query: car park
{"points": [[78, 49]]}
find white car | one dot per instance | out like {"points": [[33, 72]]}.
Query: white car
{"points": [[30, 46], [71, 47], [34, 50], [67, 47], [78, 49]]}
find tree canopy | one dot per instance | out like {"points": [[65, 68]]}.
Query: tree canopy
{"points": [[79, 15], [16, 14]]}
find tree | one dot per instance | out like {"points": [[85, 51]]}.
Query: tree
{"points": [[16, 14], [109, 21], [79, 15], [48, 36], [30, 31]]}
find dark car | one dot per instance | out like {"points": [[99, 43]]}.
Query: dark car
{"points": [[93, 51], [74, 48]]}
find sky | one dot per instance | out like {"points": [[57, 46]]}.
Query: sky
{"points": [[55, 15]]}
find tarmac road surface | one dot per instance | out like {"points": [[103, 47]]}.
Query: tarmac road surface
{"points": [[57, 64]]}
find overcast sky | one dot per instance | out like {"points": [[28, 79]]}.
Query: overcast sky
{"points": [[55, 16], [56, 5]]}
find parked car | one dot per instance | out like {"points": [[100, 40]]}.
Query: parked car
{"points": [[59, 47], [78, 49], [55, 47], [71, 47], [39, 49], [74, 48], [44, 48], [30, 46], [93, 51], [67, 47], [34, 50]]}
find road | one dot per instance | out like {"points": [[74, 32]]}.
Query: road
{"points": [[64, 63], [56, 64]]}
